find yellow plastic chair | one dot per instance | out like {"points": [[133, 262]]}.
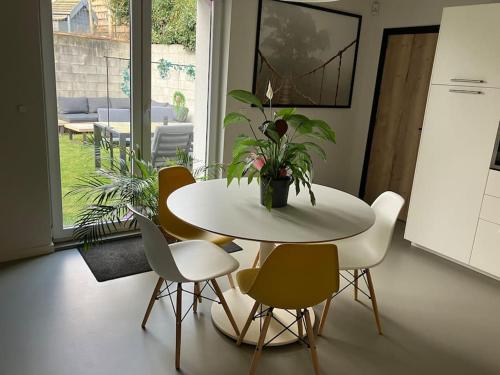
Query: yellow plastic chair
{"points": [[293, 277], [169, 180]]}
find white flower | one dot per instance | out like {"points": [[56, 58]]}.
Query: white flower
{"points": [[269, 93]]}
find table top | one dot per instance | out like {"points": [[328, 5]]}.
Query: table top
{"points": [[84, 127], [124, 127], [235, 211]]}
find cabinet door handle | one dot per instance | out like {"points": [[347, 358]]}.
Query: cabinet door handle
{"points": [[464, 80], [473, 92]]}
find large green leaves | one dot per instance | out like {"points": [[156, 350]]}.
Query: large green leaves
{"points": [[235, 118], [322, 130], [246, 97], [313, 128], [285, 113]]}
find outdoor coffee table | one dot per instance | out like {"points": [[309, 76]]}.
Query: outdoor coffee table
{"points": [[79, 128], [235, 211]]}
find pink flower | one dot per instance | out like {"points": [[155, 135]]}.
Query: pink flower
{"points": [[259, 162]]}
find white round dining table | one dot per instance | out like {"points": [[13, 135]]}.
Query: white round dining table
{"points": [[235, 211]]}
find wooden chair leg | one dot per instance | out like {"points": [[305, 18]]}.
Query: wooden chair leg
{"points": [[152, 301], [222, 300], [196, 293], [231, 280], [248, 322], [178, 322], [260, 343], [355, 285], [374, 301], [299, 323], [312, 341], [256, 260], [324, 315]]}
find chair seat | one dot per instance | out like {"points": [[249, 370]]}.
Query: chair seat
{"points": [[355, 253], [186, 232], [202, 260]]}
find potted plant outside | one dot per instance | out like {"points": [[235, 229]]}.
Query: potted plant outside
{"points": [[180, 109]]}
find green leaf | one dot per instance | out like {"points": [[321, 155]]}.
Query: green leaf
{"points": [[301, 123], [324, 129], [285, 113], [268, 196], [251, 174], [234, 118], [319, 150], [246, 97], [235, 170]]}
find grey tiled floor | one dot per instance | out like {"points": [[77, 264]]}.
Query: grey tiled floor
{"points": [[439, 318]]}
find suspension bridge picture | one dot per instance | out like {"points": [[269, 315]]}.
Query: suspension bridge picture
{"points": [[307, 53]]}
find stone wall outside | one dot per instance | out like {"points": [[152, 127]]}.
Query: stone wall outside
{"points": [[80, 65]]}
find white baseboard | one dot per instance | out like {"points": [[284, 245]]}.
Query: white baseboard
{"points": [[6, 256], [455, 261]]}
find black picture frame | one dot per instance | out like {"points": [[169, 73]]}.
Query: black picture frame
{"points": [[257, 45]]}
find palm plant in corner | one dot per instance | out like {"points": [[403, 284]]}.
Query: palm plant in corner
{"points": [[281, 155], [105, 193]]}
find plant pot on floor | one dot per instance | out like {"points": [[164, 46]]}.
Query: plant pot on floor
{"points": [[279, 190]]}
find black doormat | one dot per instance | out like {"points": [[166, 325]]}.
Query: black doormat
{"points": [[125, 257]]}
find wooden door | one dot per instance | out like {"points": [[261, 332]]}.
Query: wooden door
{"points": [[399, 117]]}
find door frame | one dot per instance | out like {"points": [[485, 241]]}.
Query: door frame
{"points": [[140, 57], [378, 86]]}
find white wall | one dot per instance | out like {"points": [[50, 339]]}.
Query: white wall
{"points": [[24, 187], [345, 160]]}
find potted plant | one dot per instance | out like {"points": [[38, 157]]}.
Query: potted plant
{"points": [[180, 109], [281, 154], [107, 192]]}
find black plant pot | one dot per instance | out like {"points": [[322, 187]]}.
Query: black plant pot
{"points": [[280, 188]]}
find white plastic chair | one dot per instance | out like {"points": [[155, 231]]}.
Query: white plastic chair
{"points": [[367, 250], [167, 139], [183, 262]]}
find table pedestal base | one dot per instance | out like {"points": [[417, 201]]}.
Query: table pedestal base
{"points": [[241, 305]]}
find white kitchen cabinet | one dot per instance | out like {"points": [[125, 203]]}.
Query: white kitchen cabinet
{"points": [[486, 252], [469, 47], [490, 210], [493, 186], [457, 143]]}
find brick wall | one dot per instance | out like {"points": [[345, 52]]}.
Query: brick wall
{"points": [[80, 64]]}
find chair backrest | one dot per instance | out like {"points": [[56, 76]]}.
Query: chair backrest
{"points": [[157, 249], [159, 113], [297, 276], [169, 180], [387, 208], [167, 139]]}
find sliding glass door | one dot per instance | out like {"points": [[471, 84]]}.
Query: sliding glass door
{"points": [[122, 75]]}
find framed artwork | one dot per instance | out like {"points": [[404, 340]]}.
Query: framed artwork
{"points": [[307, 53]]}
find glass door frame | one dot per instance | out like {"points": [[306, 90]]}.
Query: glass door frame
{"points": [[140, 72]]}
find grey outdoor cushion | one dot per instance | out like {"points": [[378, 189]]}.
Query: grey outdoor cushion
{"points": [[120, 103], [72, 105], [78, 117], [95, 103], [158, 114], [154, 103], [113, 115]]}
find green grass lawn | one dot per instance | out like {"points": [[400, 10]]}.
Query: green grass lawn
{"points": [[77, 160]]}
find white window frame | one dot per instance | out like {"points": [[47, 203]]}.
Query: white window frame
{"points": [[140, 55]]}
